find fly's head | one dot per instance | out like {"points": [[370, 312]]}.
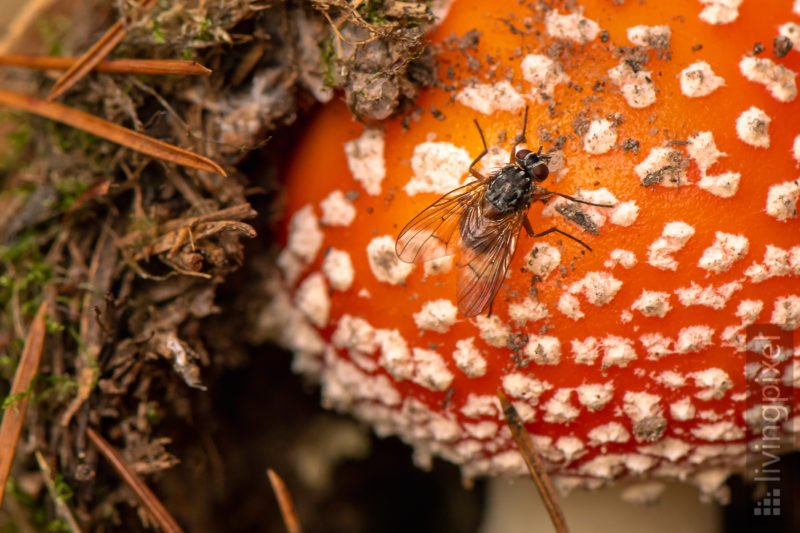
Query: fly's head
{"points": [[534, 164]]}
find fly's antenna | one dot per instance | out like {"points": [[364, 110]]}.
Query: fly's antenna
{"points": [[524, 123], [543, 157], [519, 138]]}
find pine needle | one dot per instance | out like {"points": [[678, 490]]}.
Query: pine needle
{"points": [[93, 56], [109, 131], [180, 67], [534, 463], [145, 495], [285, 502], [14, 415]]}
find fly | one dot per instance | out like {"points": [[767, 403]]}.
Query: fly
{"points": [[480, 221]]}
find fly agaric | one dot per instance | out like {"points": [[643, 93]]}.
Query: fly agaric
{"points": [[627, 361]]}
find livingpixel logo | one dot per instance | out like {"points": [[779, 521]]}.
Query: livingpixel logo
{"points": [[769, 505], [770, 405]]}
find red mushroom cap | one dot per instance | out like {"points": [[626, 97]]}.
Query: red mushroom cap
{"points": [[630, 360]]}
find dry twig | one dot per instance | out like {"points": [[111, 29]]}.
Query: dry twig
{"points": [[99, 278], [285, 502], [109, 131], [145, 495], [179, 67], [63, 509], [534, 462], [93, 56], [236, 212], [204, 230], [14, 414]]}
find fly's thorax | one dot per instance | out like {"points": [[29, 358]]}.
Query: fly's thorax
{"points": [[509, 190]]}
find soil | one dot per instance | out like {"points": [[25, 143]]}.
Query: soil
{"points": [[144, 264]]}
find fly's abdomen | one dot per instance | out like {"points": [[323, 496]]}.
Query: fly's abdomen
{"points": [[475, 231]]}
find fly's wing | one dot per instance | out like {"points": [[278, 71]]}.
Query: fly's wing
{"points": [[434, 232], [490, 245]]}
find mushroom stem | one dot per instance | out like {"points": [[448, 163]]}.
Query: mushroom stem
{"points": [[627, 507]]}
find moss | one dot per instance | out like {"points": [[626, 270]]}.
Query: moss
{"points": [[204, 31], [70, 139], [16, 141], [51, 30], [328, 60], [57, 388], [154, 413], [372, 12], [69, 190], [19, 495], [53, 327], [37, 275], [24, 273], [36, 507], [6, 286], [12, 401], [58, 525], [157, 32], [63, 491], [30, 305], [25, 245], [42, 389]]}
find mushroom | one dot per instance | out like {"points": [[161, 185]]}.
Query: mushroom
{"points": [[636, 359]]}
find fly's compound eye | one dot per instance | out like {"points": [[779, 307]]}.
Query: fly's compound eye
{"points": [[522, 154], [540, 172]]}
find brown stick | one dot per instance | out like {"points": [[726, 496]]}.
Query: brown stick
{"points": [[14, 415], [93, 56], [145, 495], [290, 519], [109, 131], [534, 463], [118, 66]]}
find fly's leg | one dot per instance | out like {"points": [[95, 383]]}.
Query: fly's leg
{"points": [[491, 303], [579, 201], [477, 174], [565, 234], [520, 138], [485, 149], [529, 230]]}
